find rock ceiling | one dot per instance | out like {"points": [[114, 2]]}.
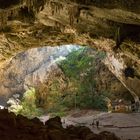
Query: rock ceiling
{"points": [[110, 25]]}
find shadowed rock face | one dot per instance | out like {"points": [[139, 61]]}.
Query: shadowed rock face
{"points": [[5, 4], [97, 23], [122, 4]]}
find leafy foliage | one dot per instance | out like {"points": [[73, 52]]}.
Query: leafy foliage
{"points": [[80, 68], [76, 63], [27, 106]]}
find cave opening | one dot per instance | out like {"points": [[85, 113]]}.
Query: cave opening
{"points": [[77, 85], [56, 87], [59, 80]]}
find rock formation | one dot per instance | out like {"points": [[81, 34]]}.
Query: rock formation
{"points": [[20, 128], [113, 26], [32, 68]]}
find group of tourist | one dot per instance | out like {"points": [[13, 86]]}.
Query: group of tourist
{"points": [[95, 123]]}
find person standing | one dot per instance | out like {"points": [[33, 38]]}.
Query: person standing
{"points": [[97, 123], [93, 123]]}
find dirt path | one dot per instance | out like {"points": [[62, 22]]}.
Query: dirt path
{"points": [[125, 126]]}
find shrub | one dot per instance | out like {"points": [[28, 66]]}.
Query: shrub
{"points": [[80, 68], [27, 106]]}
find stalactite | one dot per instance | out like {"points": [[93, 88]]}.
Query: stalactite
{"points": [[34, 6], [14, 12], [4, 17], [5, 14], [74, 14], [59, 25], [56, 7]]}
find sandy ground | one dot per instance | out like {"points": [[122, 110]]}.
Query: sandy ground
{"points": [[126, 126]]}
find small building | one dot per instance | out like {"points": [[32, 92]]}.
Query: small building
{"points": [[121, 106]]}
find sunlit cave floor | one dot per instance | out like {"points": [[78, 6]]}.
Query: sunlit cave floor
{"points": [[125, 125]]}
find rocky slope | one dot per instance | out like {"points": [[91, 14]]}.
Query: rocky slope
{"points": [[113, 26]]}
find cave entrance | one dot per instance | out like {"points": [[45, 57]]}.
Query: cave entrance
{"points": [[59, 79]]}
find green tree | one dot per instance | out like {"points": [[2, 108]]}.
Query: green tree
{"points": [[80, 68], [27, 106]]}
